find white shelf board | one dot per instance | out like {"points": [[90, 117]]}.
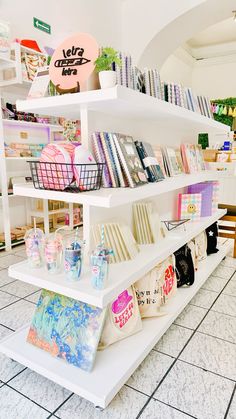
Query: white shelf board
{"points": [[113, 197], [22, 158], [121, 102], [6, 63], [116, 364], [50, 212], [28, 124], [121, 275]]}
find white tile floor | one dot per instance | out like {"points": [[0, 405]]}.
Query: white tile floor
{"points": [[190, 373]]}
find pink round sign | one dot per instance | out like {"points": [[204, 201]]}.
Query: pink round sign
{"points": [[73, 62]]}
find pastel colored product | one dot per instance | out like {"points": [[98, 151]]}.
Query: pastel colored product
{"points": [[85, 171], [69, 147], [58, 174]]}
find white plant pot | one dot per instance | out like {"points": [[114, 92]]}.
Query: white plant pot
{"points": [[107, 79]]}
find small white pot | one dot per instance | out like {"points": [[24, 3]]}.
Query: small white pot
{"points": [[107, 79]]}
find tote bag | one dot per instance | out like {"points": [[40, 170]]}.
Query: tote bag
{"points": [[201, 246], [149, 291], [122, 318]]}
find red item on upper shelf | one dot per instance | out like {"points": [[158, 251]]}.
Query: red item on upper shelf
{"points": [[30, 43]]}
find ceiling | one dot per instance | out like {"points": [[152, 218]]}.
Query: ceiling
{"points": [[220, 33]]}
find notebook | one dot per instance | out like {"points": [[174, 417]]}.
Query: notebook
{"points": [[100, 158], [117, 237], [109, 160], [171, 162], [146, 223], [189, 206], [116, 161], [189, 157], [159, 157], [149, 161], [130, 161], [206, 190], [66, 328]]}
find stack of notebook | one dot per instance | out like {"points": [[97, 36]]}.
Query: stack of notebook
{"points": [[172, 161], [119, 238], [192, 157], [123, 166], [152, 82], [146, 223], [149, 161]]}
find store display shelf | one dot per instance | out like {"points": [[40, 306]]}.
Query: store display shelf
{"points": [[13, 243], [120, 102], [121, 275], [6, 63], [113, 197], [28, 124], [116, 363]]}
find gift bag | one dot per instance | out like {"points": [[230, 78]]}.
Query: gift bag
{"points": [[184, 266], [201, 246], [193, 249], [170, 282], [122, 319], [212, 234], [149, 291]]}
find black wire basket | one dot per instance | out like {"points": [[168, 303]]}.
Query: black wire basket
{"points": [[66, 177]]}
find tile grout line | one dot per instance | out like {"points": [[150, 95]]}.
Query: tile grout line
{"points": [[28, 398], [219, 312], [14, 280], [216, 337], [17, 296], [7, 327], [230, 402], [60, 405], [177, 358], [8, 305]]}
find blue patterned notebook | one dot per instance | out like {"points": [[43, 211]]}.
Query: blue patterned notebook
{"points": [[67, 329]]}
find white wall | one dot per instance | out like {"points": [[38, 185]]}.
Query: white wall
{"points": [[215, 78], [100, 18], [144, 19], [178, 68]]}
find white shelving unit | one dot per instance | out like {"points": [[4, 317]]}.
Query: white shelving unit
{"points": [[120, 278], [118, 108], [16, 127], [16, 78], [114, 365]]}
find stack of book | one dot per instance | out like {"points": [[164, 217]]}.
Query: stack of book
{"points": [[192, 158], [152, 83], [149, 82], [117, 237], [134, 163], [125, 165], [146, 223]]}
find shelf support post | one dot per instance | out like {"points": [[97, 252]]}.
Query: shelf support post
{"points": [[4, 188]]}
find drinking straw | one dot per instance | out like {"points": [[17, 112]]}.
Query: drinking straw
{"points": [[102, 237]]}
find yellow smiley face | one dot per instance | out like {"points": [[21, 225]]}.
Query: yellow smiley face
{"points": [[191, 208]]}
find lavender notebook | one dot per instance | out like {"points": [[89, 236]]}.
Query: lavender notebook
{"points": [[206, 189]]}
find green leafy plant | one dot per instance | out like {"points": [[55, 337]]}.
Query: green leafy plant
{"points": [[106, 59]]}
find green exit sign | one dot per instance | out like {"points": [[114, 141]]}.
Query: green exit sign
{"points": [[42, 26]]}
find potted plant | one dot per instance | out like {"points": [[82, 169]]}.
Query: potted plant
{"points": [[107, 76]]}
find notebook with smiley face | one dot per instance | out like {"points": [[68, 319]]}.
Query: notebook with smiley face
{"points": [[189, 206]]}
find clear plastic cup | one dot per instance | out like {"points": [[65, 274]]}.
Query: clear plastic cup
{"points": [[34, 241]]}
